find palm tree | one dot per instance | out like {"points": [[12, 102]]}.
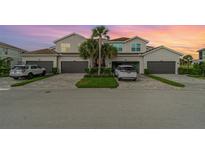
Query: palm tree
{"points": [[89, 50], [108, 51], [100, 33]]}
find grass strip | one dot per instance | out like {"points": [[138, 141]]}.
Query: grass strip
{"points": [[24, 82], [170, 82], [97, 82], [196, 76]]}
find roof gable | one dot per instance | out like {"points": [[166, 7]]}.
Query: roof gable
{"points": [[137, 37], [163, 47], [64, 37], [11, 46]]}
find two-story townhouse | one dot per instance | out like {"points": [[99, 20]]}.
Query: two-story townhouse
{"points": [[10, 51], [135, 51]]}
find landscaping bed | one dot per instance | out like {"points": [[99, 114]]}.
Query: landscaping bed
{"points": [[97, 82], [24, 82], [164, 80]]}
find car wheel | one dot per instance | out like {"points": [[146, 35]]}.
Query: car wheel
{"points": [[15, 78], [44, 73], [119, 79], [134, 79], [30, 75]]}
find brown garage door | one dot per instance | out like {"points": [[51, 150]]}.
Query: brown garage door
{"points": [[48, 65], [161, 67], [73, 66]]}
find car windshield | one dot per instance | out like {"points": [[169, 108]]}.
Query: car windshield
{"points": [[129, 69], [20, 67]]}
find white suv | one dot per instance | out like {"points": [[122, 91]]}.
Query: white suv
{"points": [[28, 71], [126, 72]]}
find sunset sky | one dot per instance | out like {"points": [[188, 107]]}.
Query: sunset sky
{"points": [[185, 39]]}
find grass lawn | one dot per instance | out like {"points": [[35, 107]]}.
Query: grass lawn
{"points": [[97, 82], [196, 76], [24, 82], [170, 82]]}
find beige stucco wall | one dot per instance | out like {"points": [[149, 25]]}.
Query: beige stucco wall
{"points": [[74, 41], [128, 58], [128, 45], [70, 58], [162, 55], [40, 58]]}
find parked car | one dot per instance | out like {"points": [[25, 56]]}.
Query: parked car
{"points": [[126, 72], [28, 71]]}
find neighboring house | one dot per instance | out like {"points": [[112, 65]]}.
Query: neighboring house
{"points": [[9, 51], [201, 54], [134, 51]]}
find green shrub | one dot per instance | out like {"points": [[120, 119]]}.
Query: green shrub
{"points": [[107, 71], [202, 68], [182, 70], [146, 71], [4, 71], [94, 71], [54, 70], [87, 70]]}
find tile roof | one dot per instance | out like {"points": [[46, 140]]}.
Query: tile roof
{"points": [[201, 50], [43, 51], [120, 39]]}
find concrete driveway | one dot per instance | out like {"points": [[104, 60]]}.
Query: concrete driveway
{"points": [[190, 82], [5, 82], [60, 81], [144, 82]]}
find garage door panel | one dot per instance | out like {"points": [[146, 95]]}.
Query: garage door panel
{"points": [[73, 66], [48, 65], [161, 67]]}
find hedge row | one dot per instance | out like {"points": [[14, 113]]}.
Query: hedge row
{"points": [[94, 71], [197, 69]]}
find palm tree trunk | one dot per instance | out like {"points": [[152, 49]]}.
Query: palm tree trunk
{"points": [[99, 60]]}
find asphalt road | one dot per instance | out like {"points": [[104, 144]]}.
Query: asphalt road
{"points": [[102, 108]]}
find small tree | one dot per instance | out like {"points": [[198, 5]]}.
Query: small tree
{"points": [[108, 51], [5, 65], [188, 59], [89, 50]]}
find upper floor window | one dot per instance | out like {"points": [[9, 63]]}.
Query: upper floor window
{"points": [[136, 47], [65, 47], [118, 46]]}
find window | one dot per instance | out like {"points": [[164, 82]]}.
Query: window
{"points": [[65, 47], [136, 47], [119, 46], [33, 67]]}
